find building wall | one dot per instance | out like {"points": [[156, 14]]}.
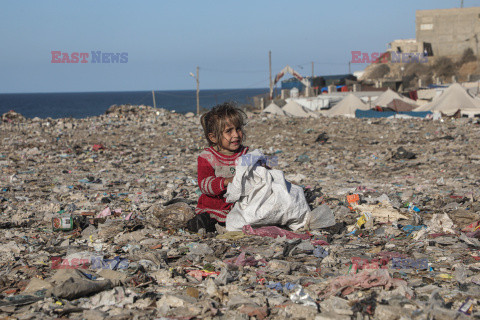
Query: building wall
{"points": [[405, 45], [450, 31]]}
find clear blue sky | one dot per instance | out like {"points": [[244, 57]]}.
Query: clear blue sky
{"points": [[166, 40]]}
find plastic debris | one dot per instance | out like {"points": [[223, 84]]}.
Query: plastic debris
{"points": [[128, 254]]}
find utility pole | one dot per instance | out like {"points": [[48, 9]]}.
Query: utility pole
{"points": [[197, 78], [270, 68], [313, 73], [198, 90], [461, 4], [349, 67], [153, 95]]}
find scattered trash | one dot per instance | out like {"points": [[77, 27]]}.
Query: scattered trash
{"points": [[125, 184], [407, 263], [320, 252], [404, 154]]}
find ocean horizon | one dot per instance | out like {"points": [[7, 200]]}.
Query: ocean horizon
{"points": [[88, 104]]}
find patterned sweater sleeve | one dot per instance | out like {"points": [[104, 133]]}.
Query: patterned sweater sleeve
{"points": [[207, 181]]}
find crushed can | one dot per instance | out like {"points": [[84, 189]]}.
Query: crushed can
{"points": [[64, 223]]}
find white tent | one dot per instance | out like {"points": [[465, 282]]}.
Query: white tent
{"points": [[347, 107], [295, 110], [388, 96], [454, 98], [274, 109]]}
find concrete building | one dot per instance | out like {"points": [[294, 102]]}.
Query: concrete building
{"points": [[403, 45], [448, 31]]}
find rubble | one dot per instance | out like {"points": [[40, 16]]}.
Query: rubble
{"points": [[126, 183]]}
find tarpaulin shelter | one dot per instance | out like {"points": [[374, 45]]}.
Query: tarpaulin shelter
{"points": [[388, 96], [453, 99], [398, 105], [274, 109], [347, 107], [296, 110]]}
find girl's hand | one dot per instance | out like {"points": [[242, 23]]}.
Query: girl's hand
{"points": [[227, 181]]}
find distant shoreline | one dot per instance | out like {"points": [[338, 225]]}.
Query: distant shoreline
{"points": [[130, 91], [86, 104]]}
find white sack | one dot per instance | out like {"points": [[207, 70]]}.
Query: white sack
{"points": [[263, 197]]}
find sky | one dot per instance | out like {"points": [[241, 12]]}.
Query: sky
{"points": [[163, 41]]}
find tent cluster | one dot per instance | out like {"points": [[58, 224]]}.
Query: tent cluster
{"points": [[291, 109], [454, 100]]}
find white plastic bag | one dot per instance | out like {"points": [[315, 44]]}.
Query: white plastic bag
{"points": [[263, 197]]}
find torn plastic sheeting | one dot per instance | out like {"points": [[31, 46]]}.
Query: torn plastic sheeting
{"points": [[241, 260], [363, 280], [263, 197], [408, 229], [279, 287], [112, 264], [438, 224], [301, 297], [382, 212], [320, 217], [118, 297], [407, 263], [107, 212], [274, 232], [320, 252], [200, 274]]}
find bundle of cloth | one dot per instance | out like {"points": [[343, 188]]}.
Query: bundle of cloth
{"points": [[263, 197]]}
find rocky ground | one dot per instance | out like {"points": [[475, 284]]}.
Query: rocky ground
{"points": [[128, 180]]}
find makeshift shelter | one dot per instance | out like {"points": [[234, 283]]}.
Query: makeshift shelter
{"points": [[453, 99], [274, 109], [347, 107], [295, 110], [388, 96], [398, 105]]}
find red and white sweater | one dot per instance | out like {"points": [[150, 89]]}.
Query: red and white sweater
{"points": [[213, 168]]}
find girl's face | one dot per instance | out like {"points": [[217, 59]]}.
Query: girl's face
{"points": [[231, 138]]}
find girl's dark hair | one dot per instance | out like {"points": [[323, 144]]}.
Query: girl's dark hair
{"points": [[214, 121]]}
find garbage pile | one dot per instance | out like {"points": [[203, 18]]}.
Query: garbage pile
{"points": [[93, 214]]}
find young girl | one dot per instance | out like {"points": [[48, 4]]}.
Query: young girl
{"points": [[223, 128]]}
